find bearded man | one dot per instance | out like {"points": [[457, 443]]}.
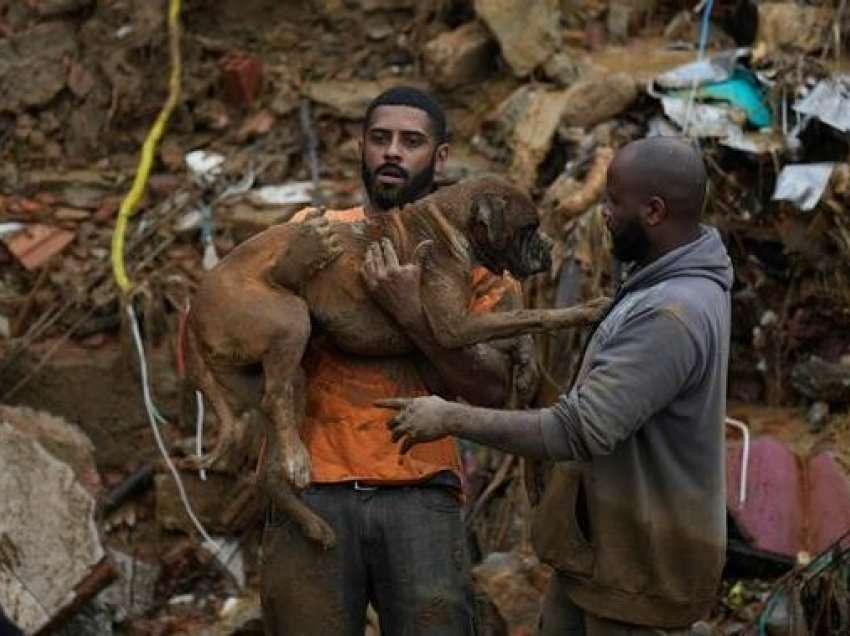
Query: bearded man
{"points": [[397, 518]]}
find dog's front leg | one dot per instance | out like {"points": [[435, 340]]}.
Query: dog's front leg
{"points": [[453, 332]]}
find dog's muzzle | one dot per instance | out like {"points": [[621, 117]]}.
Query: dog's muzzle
{"points": [[535, 255]]}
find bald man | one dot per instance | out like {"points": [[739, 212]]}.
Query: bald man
{"points": [[633, 516]]}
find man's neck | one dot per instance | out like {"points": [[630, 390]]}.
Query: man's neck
{"points": [[660, 248]]}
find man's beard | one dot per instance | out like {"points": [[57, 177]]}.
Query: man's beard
{"points": [[631, 243], [385, 196]]}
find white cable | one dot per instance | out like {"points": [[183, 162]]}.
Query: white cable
{"points": [[199, 431], [745, 460], [151, 409]]}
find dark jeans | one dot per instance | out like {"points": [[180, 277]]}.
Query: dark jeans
{"points": [[401, 548]]}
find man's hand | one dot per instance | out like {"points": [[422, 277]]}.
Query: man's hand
{"points": [[418, 420], [393, 286]]}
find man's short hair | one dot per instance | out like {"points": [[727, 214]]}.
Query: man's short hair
{"points": [[415, 98]]}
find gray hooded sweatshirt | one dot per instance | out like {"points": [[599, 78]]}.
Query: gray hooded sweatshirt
{"points": [[637, 518]]}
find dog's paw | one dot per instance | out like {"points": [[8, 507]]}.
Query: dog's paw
{"points": [[597, 307], [317, 530], [318, 243], [296, 465]]}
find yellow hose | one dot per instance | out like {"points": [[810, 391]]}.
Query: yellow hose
{"points": [[131, 201]]}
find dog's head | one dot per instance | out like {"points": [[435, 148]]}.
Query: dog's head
{"points": [[505, 230]]}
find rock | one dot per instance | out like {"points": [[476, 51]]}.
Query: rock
{"points": [[516, 583], [33, 65], [533, 132], [133, 594], [463, 163], [53, 562], [791, 27], [821, 380], [241, 78], [563, 69], [459, 57], [65, 441], [569, 197], [528, 32], [71, 214], [518, 128], [255, 125], [114, 420], [348, 98], [593, 100], [627, 16]]}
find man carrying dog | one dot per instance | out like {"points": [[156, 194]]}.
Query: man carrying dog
{"points": [[633, 517], [401, 542]]}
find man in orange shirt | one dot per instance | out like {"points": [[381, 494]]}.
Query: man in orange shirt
{"points": [[401, 542]]}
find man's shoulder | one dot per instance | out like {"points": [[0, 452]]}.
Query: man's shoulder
{"points": [[349, 215], [492, 293]]}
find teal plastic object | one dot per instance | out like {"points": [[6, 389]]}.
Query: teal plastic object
{"points": [[741, 90]]}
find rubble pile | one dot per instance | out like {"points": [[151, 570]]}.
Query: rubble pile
{"points": [[544, 91]]}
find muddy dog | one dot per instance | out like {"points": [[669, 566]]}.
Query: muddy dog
{"points": [[252, 309]]}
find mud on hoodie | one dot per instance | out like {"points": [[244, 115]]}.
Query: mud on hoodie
{"points": [[636, 518]]}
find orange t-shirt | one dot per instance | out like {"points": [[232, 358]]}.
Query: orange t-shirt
{"points": [[346, 435]]}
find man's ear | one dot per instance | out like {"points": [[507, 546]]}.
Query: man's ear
{"points": [[441, 156], [489, 212], [656, 211]]}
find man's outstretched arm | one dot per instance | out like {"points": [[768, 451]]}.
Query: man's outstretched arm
{"points": [[636, 374]]}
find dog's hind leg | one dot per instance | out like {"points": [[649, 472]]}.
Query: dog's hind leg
{"points": [[200, 376], [286, 502], [283, 395]]}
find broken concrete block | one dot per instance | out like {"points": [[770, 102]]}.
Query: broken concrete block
{"points": [[791, 27], [533, 132], [33, 65], [525, 124], [593, 100], [528, 32], [459, 57], [348, 98], [51, 555], [65, 441]]}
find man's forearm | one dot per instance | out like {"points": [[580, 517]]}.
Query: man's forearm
{"points": [[517, 432], [480, 373]]}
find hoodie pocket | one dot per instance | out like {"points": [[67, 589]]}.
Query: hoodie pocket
{"points": [[555, 531]]}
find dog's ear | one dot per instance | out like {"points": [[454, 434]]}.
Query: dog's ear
{"points": [[489, 212]]}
